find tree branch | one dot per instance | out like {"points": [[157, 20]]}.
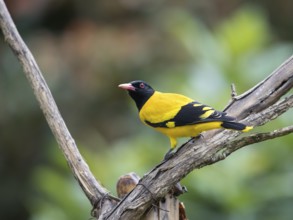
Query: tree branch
{"points": [[93, 190], [253, 139]]}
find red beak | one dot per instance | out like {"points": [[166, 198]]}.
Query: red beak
{"points": [[127, 86]]}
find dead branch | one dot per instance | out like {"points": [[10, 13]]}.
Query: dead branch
{"points": [[253, 139], [93, 190]]}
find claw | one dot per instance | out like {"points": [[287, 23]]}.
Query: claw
{"points": [[169, 154], [192, 139]]}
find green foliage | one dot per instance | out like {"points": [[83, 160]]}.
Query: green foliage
{"points": [[55, 190]]}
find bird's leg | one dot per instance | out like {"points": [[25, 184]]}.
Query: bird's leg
{"points": [[170, 152], [173, 141]]}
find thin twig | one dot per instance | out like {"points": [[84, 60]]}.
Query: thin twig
{"points": [[251, 139], [233, 91]]}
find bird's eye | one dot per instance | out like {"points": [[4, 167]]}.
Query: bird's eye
{"points": [[141, 85]]}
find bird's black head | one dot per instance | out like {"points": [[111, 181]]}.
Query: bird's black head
{"points": [[139, 91]]}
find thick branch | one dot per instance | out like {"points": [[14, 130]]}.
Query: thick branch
{"points": [[93, 190]]}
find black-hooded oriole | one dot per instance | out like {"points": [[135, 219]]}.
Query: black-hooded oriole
{"points": [[176, 115]]}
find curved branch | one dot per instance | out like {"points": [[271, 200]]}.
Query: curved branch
{"points": [[93, 190], [253, 139]]}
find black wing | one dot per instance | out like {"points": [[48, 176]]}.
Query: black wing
{"points": [[193, 113]]}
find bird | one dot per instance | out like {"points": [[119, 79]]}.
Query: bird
{"points": [[176, 115]]}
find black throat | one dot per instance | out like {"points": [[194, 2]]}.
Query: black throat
{"points": [[140, 98]]}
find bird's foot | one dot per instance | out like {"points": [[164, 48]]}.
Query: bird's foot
{"points": [[169, 154], [192, 139]]}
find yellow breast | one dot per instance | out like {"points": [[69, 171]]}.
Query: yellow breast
{"points": [[162, 107]]}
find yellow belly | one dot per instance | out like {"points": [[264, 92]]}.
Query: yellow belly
{"points": [[189, 130]]}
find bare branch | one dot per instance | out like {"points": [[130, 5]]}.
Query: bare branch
{"points": [[253, 139], [93, 190], [233, 91]]}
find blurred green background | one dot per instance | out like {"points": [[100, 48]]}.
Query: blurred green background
{"points": [[197, 48]]}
